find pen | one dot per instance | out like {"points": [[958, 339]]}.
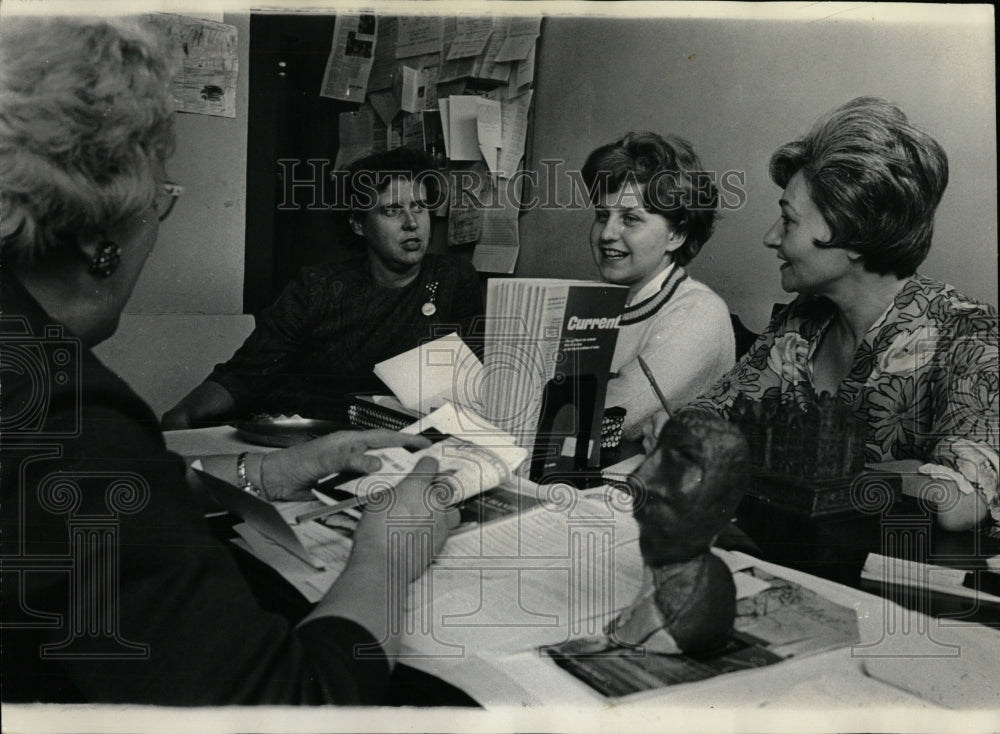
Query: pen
{"points": [[328, 510], [348, 504], [652, 381]]}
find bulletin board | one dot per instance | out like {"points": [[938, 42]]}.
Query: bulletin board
{"points": [[461, 89]]}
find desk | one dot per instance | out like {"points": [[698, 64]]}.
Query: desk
{"points": [[478, 616], [498, 663]]}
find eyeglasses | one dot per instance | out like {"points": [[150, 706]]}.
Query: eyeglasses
{"points": [[166, 197]]}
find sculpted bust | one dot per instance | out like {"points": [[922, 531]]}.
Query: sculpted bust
{"points": [[684, 494]]}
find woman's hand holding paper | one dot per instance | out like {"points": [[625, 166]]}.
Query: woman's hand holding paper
{"points": [[289, 474]]}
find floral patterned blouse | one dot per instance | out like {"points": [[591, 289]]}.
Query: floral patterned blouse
{"points": [[924, 380]]}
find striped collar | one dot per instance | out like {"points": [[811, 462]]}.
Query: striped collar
{"points": [[644, 309]]}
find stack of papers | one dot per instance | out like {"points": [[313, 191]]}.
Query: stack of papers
{"points": [[428, 376], [976, 584]]}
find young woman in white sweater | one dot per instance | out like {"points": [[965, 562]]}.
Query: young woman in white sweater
{"points": [[654, 210]]}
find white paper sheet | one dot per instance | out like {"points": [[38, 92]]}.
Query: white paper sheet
{"points": [[516, 47], [463, 134], [487, 66], [425, 377], [488, 131], [514, 127], [495, 258], [410, 99]]}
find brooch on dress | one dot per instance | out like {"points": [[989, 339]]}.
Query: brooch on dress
{"points": [[429, 308]]}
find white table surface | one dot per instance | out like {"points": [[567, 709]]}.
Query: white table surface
{"points": [[208, 441], [479, 618]]}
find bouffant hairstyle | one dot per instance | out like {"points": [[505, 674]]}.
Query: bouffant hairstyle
{"points": [[674, 183], [875, 177], [86, 115]]}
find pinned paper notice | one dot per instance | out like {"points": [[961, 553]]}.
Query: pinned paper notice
{"points": [[499, 244], [413, 130], [418, 34], [383, 71], [488, 130], [514, 127], [430, 81], [463, 133], [444, 110], [521, 35], [487, 66], [207, 64], [471, 35], [523, 74], [350, 60], [360, 134], [467, 189], [411, 96], [384, 103]]}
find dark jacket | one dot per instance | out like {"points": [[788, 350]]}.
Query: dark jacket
{"points": [[113, 588]]}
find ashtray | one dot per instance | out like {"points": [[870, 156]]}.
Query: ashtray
{"points": [[284, 430]]}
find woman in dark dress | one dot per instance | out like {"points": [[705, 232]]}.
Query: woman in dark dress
{"points": [[113, 588], [319, 342]]}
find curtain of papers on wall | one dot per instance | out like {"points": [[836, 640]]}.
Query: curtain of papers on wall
{"points": [[458, 87]]}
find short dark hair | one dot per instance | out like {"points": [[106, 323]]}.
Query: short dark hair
{"points": [[370, 175], [875, 177], [674, 183]]}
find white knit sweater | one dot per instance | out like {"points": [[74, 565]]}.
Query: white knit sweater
{"points": [[683, 331]]}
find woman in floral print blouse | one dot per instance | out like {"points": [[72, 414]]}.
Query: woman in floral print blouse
{"points": [[913, 358]]}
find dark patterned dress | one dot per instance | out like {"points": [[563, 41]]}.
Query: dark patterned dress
{"points": [[924, 380]]}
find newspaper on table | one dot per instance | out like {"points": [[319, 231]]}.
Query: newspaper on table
{"points": [[779, 622]]}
